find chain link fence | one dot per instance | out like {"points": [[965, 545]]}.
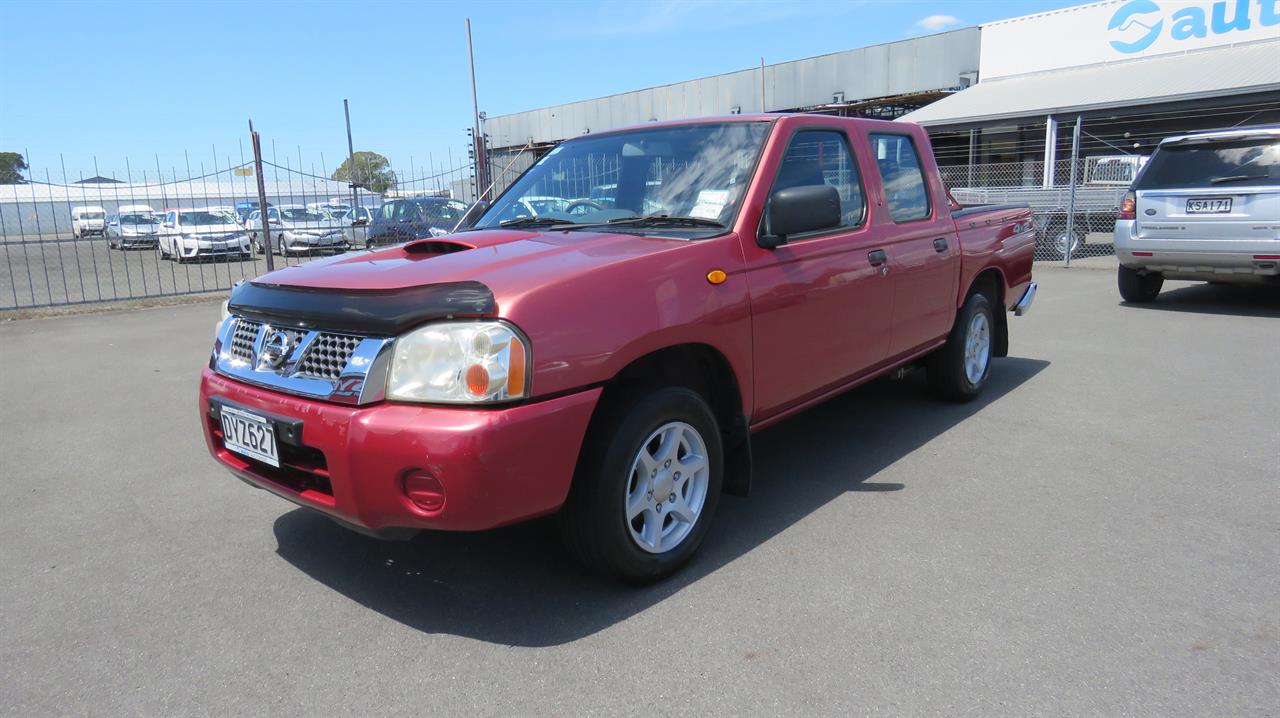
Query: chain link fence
{"points": [[1072, 220], [146, 233]]}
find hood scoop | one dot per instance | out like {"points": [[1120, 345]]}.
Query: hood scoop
{"points": [[436, 246]]}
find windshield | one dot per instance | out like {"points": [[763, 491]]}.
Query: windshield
{"points": [[202, 217], [291, 214], [1237, 163], [685, 171], [92, 215], [137, 219]]}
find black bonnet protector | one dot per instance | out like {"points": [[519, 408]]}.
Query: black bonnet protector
{"points": [[384, 312]]}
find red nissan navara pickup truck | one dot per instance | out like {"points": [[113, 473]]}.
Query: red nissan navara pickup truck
{"points": [[603, 339]]}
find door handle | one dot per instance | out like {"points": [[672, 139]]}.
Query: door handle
{"points": [[940, 244], [877, 257]]}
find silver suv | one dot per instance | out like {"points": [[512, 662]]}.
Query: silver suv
{"points": [[1206, 207]]}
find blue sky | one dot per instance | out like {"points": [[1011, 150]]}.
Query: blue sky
{"points": [[178, 79]]}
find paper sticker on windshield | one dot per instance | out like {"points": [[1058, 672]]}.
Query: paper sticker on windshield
{"points": [[710, 203]]}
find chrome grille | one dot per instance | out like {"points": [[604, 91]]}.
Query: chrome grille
{"points": [[328, 356], [242, 341], [295, 335]]}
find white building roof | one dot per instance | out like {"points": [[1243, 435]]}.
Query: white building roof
{"points": [[1213, 72]]}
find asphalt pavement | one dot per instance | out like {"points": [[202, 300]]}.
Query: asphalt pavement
{"points": [[1099, 534]]}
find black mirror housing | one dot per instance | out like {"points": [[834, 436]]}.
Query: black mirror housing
{"points": [[796, 210]]}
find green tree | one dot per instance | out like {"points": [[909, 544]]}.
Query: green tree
{"points": [[372, 172], [11, 167]]}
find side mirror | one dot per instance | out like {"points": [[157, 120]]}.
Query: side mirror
{"points": [[796, 210], [473, 214]]}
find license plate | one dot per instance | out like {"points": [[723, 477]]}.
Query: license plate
{"points": [[1209, 205], [250, 435]]}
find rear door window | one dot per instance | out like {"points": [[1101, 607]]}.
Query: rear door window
{"points": [[902, 176], [1238, 163]]}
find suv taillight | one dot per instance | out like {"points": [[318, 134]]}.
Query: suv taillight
{"points": [[1129, 206]]}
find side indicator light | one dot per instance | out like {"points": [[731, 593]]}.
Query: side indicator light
{"points": [[717, 276]]}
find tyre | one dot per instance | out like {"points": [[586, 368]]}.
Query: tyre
{"points": [[160, 253], [959, 370], [1138, 287], [1061, 242], [647, 485]]}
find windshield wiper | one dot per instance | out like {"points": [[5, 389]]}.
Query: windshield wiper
{"points": [[1234, 178], [655, 220], [534, 222]]}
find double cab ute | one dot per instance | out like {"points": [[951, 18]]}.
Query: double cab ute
{"points": [[607, 358]]}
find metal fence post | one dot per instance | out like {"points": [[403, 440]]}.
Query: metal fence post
{"points": [[1071, 195], [262, 198], [351, 162]]}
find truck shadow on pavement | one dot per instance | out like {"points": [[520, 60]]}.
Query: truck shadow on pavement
{"points": [[517, 585], [1226, 299]]}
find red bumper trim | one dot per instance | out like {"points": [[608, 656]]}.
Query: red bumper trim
{"points": [[500, 465]]}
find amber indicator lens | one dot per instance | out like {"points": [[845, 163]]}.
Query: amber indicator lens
{"points": [[717, 276]]}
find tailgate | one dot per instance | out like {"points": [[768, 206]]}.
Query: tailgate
{"points": [[1218, 213]]}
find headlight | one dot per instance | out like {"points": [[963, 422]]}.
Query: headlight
{"points": [[222, 318], [460, 363]]}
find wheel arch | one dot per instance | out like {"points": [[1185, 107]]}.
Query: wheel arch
{"points": [[707, 371], [990, 283]]}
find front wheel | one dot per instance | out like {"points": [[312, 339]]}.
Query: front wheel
{"points": [[959, 370], [647, 485], [1138, 287]]}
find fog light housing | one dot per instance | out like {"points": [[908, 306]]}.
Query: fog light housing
{"points": [[424, 490]]}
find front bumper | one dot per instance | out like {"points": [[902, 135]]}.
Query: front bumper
{"points": [[497, 466], [307, 243], [136, 240], [208, 249], [1205, 259]]}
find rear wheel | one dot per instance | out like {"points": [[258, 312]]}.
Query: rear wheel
{"points": [[1139, 287], [959, 370], [647, 485]]}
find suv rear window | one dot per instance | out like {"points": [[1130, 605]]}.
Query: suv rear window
{"points": [[1238, 163]]}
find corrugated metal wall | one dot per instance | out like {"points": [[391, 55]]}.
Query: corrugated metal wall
{"points": [[921, 64]]}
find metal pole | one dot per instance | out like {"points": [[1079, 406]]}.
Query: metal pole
{"points": [[351, 160], [1071, 196], [973, 133], [762, 105], [262, 198], [1050, 151], [476, 138]]}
